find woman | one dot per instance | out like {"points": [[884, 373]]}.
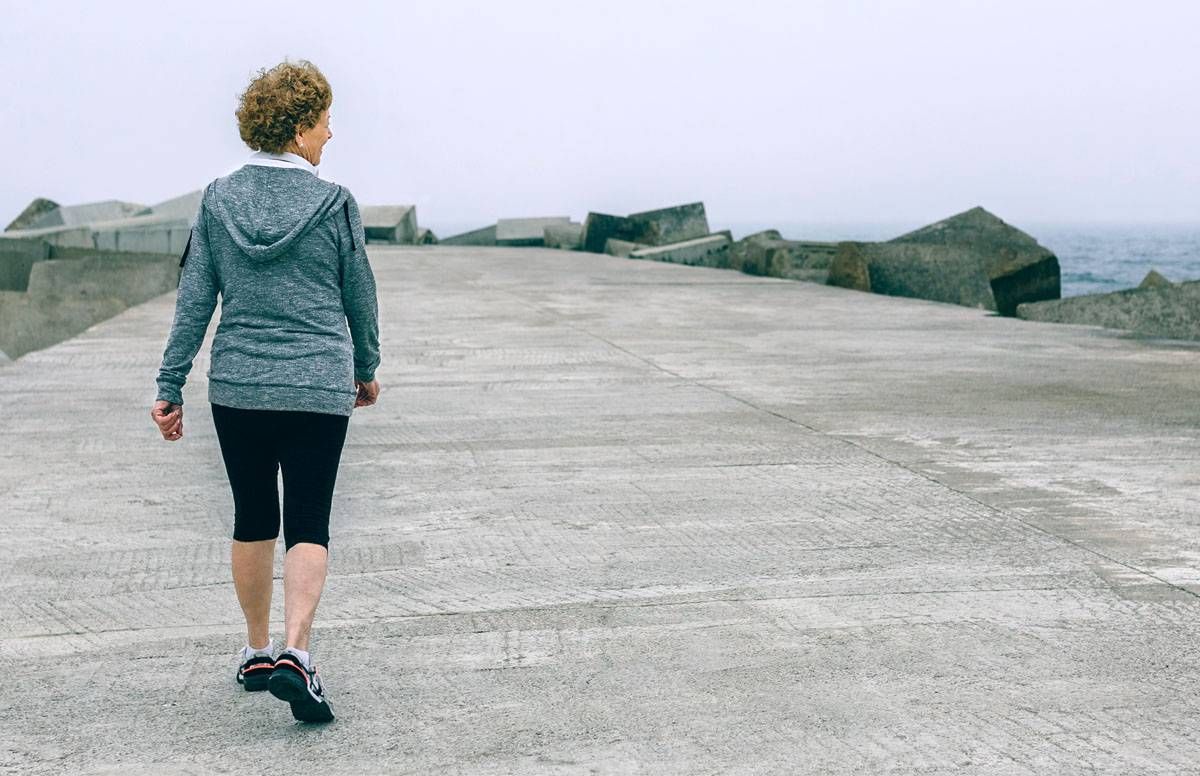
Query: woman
{"points": [[286, 252]]}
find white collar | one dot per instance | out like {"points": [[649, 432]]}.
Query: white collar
{"points": [[285, 159]]}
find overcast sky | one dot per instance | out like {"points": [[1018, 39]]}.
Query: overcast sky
{"points": [[769, 112]]}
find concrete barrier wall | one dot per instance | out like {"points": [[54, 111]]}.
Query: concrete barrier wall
{"points": [[30, 323], [66, 294], [17, 258], [131, 280], [157, 239]]}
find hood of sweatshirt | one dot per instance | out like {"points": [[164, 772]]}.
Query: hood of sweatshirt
{"points": [[266, 209]]}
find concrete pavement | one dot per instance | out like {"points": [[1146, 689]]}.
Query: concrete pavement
{"points": [[616, 516]]}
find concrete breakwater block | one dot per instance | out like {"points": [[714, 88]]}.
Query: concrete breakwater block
{"points": [[395, 224], [73, 288], [1018, 268], [699, 251], [651, 227], [1154, 279], [128, 277], [154, 233], [972, 259], [767, 253], [1171, 311], [599, 228], [485, 235], [622, 248], [567, 237], [17, 258], [149, 239], [185, 206], [72, 236], [32, 213], [17, 246], [526, 231], [87, 213], [938, 273], [674, 224], [29, 323]]}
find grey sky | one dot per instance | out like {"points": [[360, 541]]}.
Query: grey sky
{"points": [[769, 112]]}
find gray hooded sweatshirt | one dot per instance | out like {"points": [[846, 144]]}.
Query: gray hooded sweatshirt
{"points": [[299, 322]]}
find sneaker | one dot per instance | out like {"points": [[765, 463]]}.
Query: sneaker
{"points": [[255, 670], [300, 686]]}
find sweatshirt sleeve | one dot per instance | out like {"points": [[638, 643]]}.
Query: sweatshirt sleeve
{"points": [[194, 304], [358, 292]]}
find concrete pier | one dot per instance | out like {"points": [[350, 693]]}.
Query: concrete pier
{"points": [[616, 516]]}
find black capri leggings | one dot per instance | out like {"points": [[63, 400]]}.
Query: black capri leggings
{"points": [[255, 445]]}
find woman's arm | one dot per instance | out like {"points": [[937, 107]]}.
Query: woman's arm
{"points": [[359, 296], [194, 305]]}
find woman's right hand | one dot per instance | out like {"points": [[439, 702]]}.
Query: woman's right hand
{"points": [[367, 393]]}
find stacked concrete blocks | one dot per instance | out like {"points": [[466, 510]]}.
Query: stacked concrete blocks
{"points": [[53, 296], [768, 254], [652, 227]]}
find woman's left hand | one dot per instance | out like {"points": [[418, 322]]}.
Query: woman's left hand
{"points": [[169, 419]]}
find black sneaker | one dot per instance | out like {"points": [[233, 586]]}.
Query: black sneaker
{"points": [[255, 671], [299, 686]]}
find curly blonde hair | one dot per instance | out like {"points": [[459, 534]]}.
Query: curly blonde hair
{"points": [[279, 102]]}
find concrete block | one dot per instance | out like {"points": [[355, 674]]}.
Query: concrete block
{"points": [[598, 228], [34, 249], [1017, 268], [1170, 311], [1154, 279], [622, 248], [701, 251], [32, 213], [185, 206], [972, 259], [483, 236], [130, 278], [567, 237], [767, 253], [88, 213], [30, 323], [673, 224], [395, 224], [150, 239], [849, 268], [938, 273], [426, 237], [16, 262], [526, 231], [76, 236]]}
